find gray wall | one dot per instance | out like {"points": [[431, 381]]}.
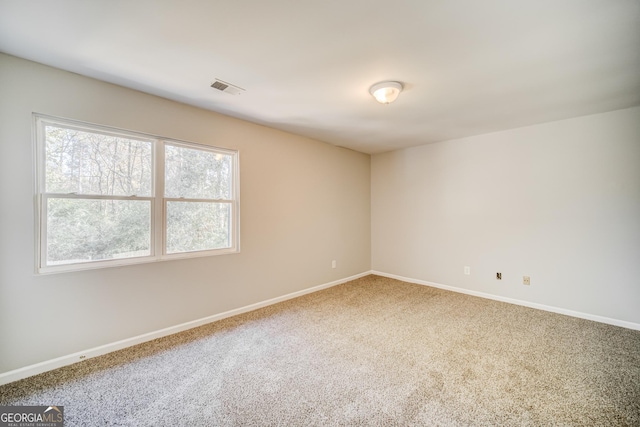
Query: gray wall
{"points": [[559, 202], [303, 204]]}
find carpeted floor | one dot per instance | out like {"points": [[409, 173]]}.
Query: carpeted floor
{"points": [[371, 352]]}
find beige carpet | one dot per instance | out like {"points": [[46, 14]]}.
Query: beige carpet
{"points": [[372, 352]]}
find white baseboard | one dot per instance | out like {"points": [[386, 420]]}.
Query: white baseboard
{"points": [[595, 318], [48, 365]]}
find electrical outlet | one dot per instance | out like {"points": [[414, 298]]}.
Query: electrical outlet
{"points": [[526, 280], [499, 276], [334, 264], [467, 270]]}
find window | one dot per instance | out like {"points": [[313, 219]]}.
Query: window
{"points": [[109, 197]]}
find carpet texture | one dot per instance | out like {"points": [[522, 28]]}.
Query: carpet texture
{"points": [[371, 352]]}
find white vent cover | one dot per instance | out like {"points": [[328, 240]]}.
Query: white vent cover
{"points": [[225, 87]]}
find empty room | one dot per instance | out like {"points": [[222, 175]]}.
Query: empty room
{"points": [[244, 213]]}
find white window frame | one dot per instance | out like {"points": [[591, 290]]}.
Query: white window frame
{"points": [[157, 199]]}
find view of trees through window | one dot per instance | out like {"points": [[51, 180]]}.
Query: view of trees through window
{"points": [[194, 226], [204, 177], [81, 164], [80, 230], [98, 197]]}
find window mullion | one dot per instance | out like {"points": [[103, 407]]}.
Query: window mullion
{"points": [[159, 209]]}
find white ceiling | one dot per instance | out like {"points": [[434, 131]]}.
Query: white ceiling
{"points": [[469, 67]]}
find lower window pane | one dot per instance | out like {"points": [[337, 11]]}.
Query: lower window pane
{"points": [[81, 230], [197, 226]]}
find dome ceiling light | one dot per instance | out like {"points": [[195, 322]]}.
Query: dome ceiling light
{"points": [[386, 92]]}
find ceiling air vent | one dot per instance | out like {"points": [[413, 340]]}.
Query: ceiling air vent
{"points": [[226, 87]]}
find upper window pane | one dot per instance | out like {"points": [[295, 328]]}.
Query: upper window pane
{"points": [[197, 174], [94, 163]]}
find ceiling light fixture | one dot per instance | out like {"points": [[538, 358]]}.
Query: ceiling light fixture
{"points": [[386, 92]]}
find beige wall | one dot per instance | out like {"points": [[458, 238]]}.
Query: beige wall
{"points": [[303, 204], [559, 202]]}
